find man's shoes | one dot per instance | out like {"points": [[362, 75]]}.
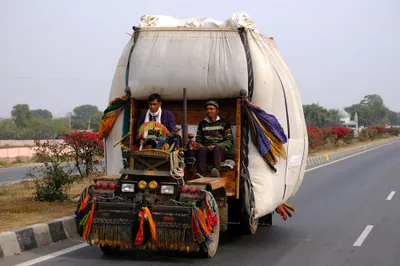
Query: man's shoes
{"points": [[197, 175], [214, 172]]}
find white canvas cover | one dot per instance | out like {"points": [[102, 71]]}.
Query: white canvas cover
{"points": [[212, 64]]}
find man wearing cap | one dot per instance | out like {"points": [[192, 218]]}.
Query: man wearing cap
{"points": [[214, 137]]}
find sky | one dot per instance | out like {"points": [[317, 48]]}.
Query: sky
{"points": [[57, 55]]}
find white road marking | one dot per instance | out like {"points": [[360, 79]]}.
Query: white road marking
{"points": [[344, 158], [391, 195], [53, 255], [363, 236]]}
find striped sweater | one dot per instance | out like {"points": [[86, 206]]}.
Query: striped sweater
{"points": [[216, 133]]}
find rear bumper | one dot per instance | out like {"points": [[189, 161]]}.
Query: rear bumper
{"points": [[118, 225]]}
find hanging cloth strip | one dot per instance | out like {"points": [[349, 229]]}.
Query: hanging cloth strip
{"points": [[266, 133], [111, 114]]}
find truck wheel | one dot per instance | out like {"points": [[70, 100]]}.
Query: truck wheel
{"points": [[109, 250], [265, 220], [209, 251]]}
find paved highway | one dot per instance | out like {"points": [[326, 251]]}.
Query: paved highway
{"points": [[348, 214], [15, 174]]}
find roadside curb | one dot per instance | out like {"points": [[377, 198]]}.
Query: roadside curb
{"points": [[16, 241], [316, 161]]}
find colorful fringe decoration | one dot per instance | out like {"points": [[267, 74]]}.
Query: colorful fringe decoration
{"points": [[210, 211], [89, 220], [176, 239], [145, 220], [203, 222], [153, 126], [110, 115], [82, 212], [199, 226], [112, 232], [284, 211], [266, 133]]}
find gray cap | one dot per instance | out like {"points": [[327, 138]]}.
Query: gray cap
{"points": [[211, 102]]}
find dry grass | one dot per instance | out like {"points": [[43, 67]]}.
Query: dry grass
{"points": [[18, 208]]}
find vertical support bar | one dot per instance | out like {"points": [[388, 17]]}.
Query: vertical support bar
{"points": [[238, 144], [132, 121], [185, 124]]}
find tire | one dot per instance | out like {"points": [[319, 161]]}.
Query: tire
{"points": [[109, 250], [211, 250], [265, 220]]}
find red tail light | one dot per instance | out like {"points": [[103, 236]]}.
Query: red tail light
{"points": [[104, 185]]}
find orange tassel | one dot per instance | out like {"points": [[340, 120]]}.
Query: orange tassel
{"points": [[84, 203], [89, 221], [140, 234], [152, 225], [289, 207]]}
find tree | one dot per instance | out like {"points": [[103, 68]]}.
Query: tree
{"points": [[371, 111], [95, 121], [21, 115], [393, 118], [82, 114], [86, 147], [315, 115], [42, 113]]}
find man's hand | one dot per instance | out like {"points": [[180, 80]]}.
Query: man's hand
{"points": [[210, 148]]}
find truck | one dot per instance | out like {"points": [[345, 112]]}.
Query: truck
{"points": [[151, 197]]}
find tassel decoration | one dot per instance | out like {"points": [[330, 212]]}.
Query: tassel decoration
{"points": [[266, 133], [84, 203], [284, 210], [89, 221], [152, 225], [210, 210], [199, 226], [147, 228], [140, 234]]}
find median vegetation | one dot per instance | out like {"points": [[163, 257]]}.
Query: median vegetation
{"points": [[64, 163], [331, 138]]}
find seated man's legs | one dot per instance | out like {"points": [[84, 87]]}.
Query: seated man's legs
{"points": [[218, 156], [201, 158]]}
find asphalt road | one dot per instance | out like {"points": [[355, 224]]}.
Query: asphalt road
{"points": [[347, 215], [15, 174]]}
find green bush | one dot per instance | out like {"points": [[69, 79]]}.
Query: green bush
{"points": [[52, 179]]}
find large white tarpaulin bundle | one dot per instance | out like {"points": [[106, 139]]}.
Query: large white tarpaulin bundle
{"points": [[214, 59]]}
